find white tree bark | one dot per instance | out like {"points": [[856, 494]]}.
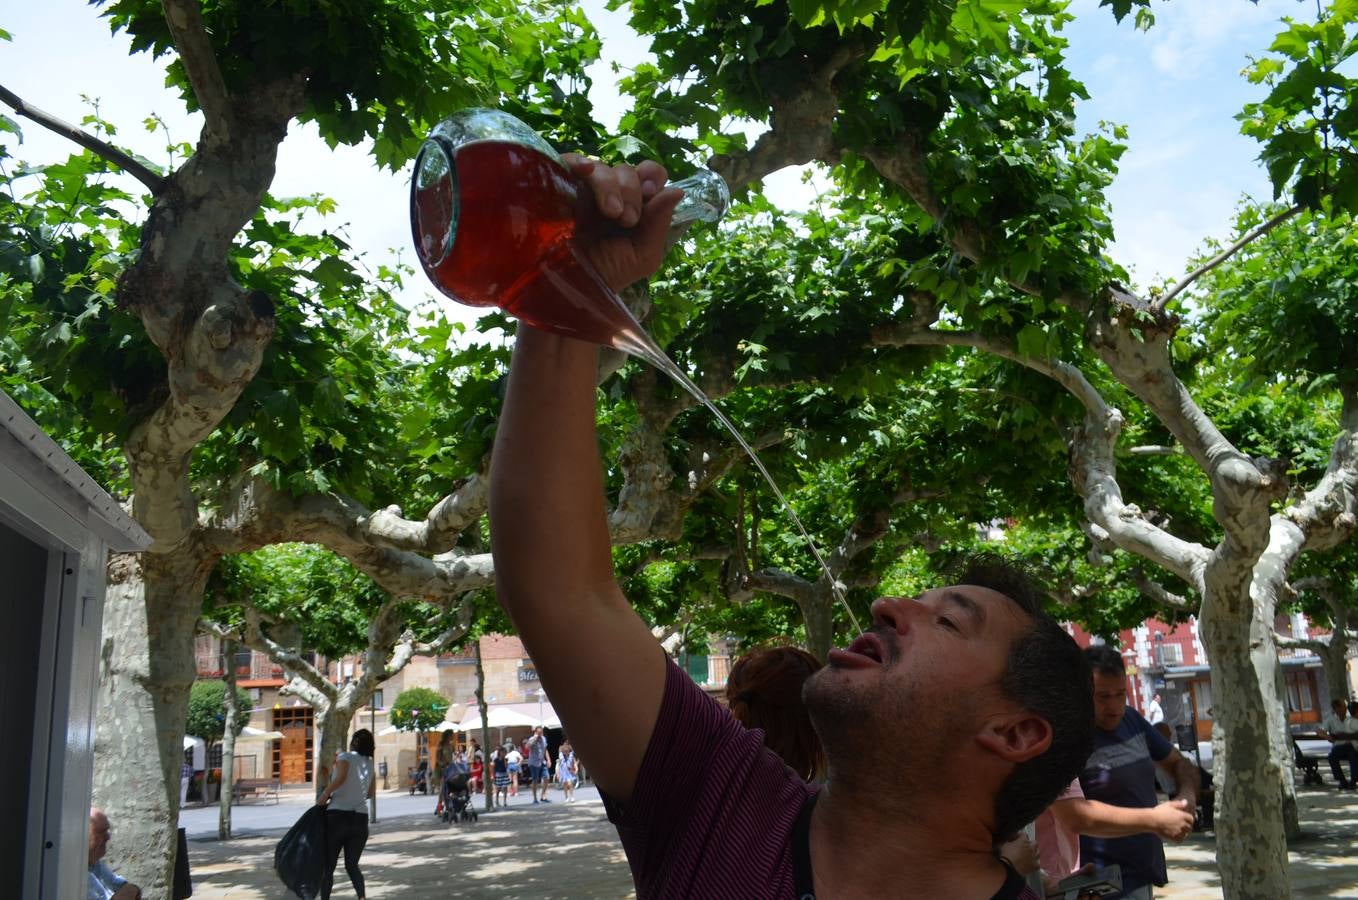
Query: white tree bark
{"points": [[150, 612], [230, 708]]}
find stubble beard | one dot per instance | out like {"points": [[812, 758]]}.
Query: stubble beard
{"points": [[895, 729]]}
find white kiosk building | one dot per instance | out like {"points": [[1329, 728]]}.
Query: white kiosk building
{"points": [[57, 528]]}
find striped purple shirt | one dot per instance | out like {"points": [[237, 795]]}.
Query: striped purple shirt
{"points": [[713, 809]]}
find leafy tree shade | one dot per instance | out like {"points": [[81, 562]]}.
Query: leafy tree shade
{"points": [[248, 383], [207, 716], [418, 709], [301, 588]]}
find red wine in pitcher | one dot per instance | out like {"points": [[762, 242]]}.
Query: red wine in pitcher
{"points": [[512, 222], [494, 214]]}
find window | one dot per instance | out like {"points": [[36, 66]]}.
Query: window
{"points": [[377, 702], [1171, 654], [1202, 698], [1298, 693]]}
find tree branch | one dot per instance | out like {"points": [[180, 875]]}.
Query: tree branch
{"points": [[251, 634], [1318, 646], [1159, 305], [437, 532], [257, 515], [1158, 593], [1093, 466], [185, 19], [1156, 450], [101, 148], [801, 123], [1327, 514], [1137, 352], [377, 670]]}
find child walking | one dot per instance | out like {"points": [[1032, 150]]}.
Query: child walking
{"points": [[568, 771]]}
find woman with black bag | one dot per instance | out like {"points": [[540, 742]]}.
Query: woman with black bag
{"points": [[346, 816]]}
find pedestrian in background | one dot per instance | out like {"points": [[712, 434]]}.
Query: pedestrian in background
{"points": [[501, 770], [514, 758], [345, 800], [567, 771], [764, 691]]}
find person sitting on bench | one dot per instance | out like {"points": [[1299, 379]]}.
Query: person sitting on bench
{"points": [[1342, 730]]}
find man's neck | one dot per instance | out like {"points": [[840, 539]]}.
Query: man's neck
{"points": [[879, 844]]}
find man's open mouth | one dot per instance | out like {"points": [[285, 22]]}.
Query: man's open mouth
{"points": [[867, 645], [867, 649]]}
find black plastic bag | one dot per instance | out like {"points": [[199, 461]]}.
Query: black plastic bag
{"points": [[299, 858]]}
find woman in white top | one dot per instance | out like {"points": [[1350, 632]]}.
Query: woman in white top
{"points": [[346, 816]]}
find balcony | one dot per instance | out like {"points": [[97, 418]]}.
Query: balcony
{"points": [[254, 666]]}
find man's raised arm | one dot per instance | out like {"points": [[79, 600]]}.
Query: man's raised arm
{"points": [[596, 658]]}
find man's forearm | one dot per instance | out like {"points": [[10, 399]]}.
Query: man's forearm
{"points": [[1187, 778], [1103, 820], [548, 525]]}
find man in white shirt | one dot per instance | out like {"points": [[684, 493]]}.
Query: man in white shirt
{"points": [[1155, 714], [1342, 730], [104, 883]]}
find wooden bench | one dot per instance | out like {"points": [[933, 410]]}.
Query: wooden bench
{"points": [[254, 787]]}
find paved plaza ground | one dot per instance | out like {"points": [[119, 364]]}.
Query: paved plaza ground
{"points": [[570, 850]]}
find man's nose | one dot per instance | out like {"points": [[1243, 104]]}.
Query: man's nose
{"points": [[893, 612]]}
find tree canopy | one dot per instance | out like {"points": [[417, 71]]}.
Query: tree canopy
{"points": [[207, 710], [945, 342], [418, 709]]}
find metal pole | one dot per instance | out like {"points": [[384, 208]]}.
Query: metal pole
{"points": [[372, 726]]}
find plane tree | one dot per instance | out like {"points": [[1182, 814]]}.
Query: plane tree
{"points": [[963, 113]]}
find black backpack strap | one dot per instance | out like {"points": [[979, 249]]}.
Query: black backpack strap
{"points": [[803, 883]]}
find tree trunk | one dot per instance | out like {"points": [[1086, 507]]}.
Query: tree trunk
{"points": [[1251, 837], [488, 776], [818, 614], [228, 742], [146, 670], [1335, 660], [333, 721]]}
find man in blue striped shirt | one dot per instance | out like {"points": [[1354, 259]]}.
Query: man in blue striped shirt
{"points": [[1121, 773]]}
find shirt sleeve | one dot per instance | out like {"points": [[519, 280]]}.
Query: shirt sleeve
{"points": [[1155, 741], [1073, 791], [103, 881]]}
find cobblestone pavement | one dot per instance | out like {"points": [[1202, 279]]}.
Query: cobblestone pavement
{"points": [[1322, 863], [570, 850], [547, 851]]}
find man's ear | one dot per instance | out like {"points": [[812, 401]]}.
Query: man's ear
{"points": [[1016, 737]]}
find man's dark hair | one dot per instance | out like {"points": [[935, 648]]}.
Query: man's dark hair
{"points": [[1047, 675], [362, 742], [1105, 660], [1338, 703]]}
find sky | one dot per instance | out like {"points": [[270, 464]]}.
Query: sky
{"points": [[1176, 87]]}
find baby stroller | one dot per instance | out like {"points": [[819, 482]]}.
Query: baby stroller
{"points": [[457, 799]]}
